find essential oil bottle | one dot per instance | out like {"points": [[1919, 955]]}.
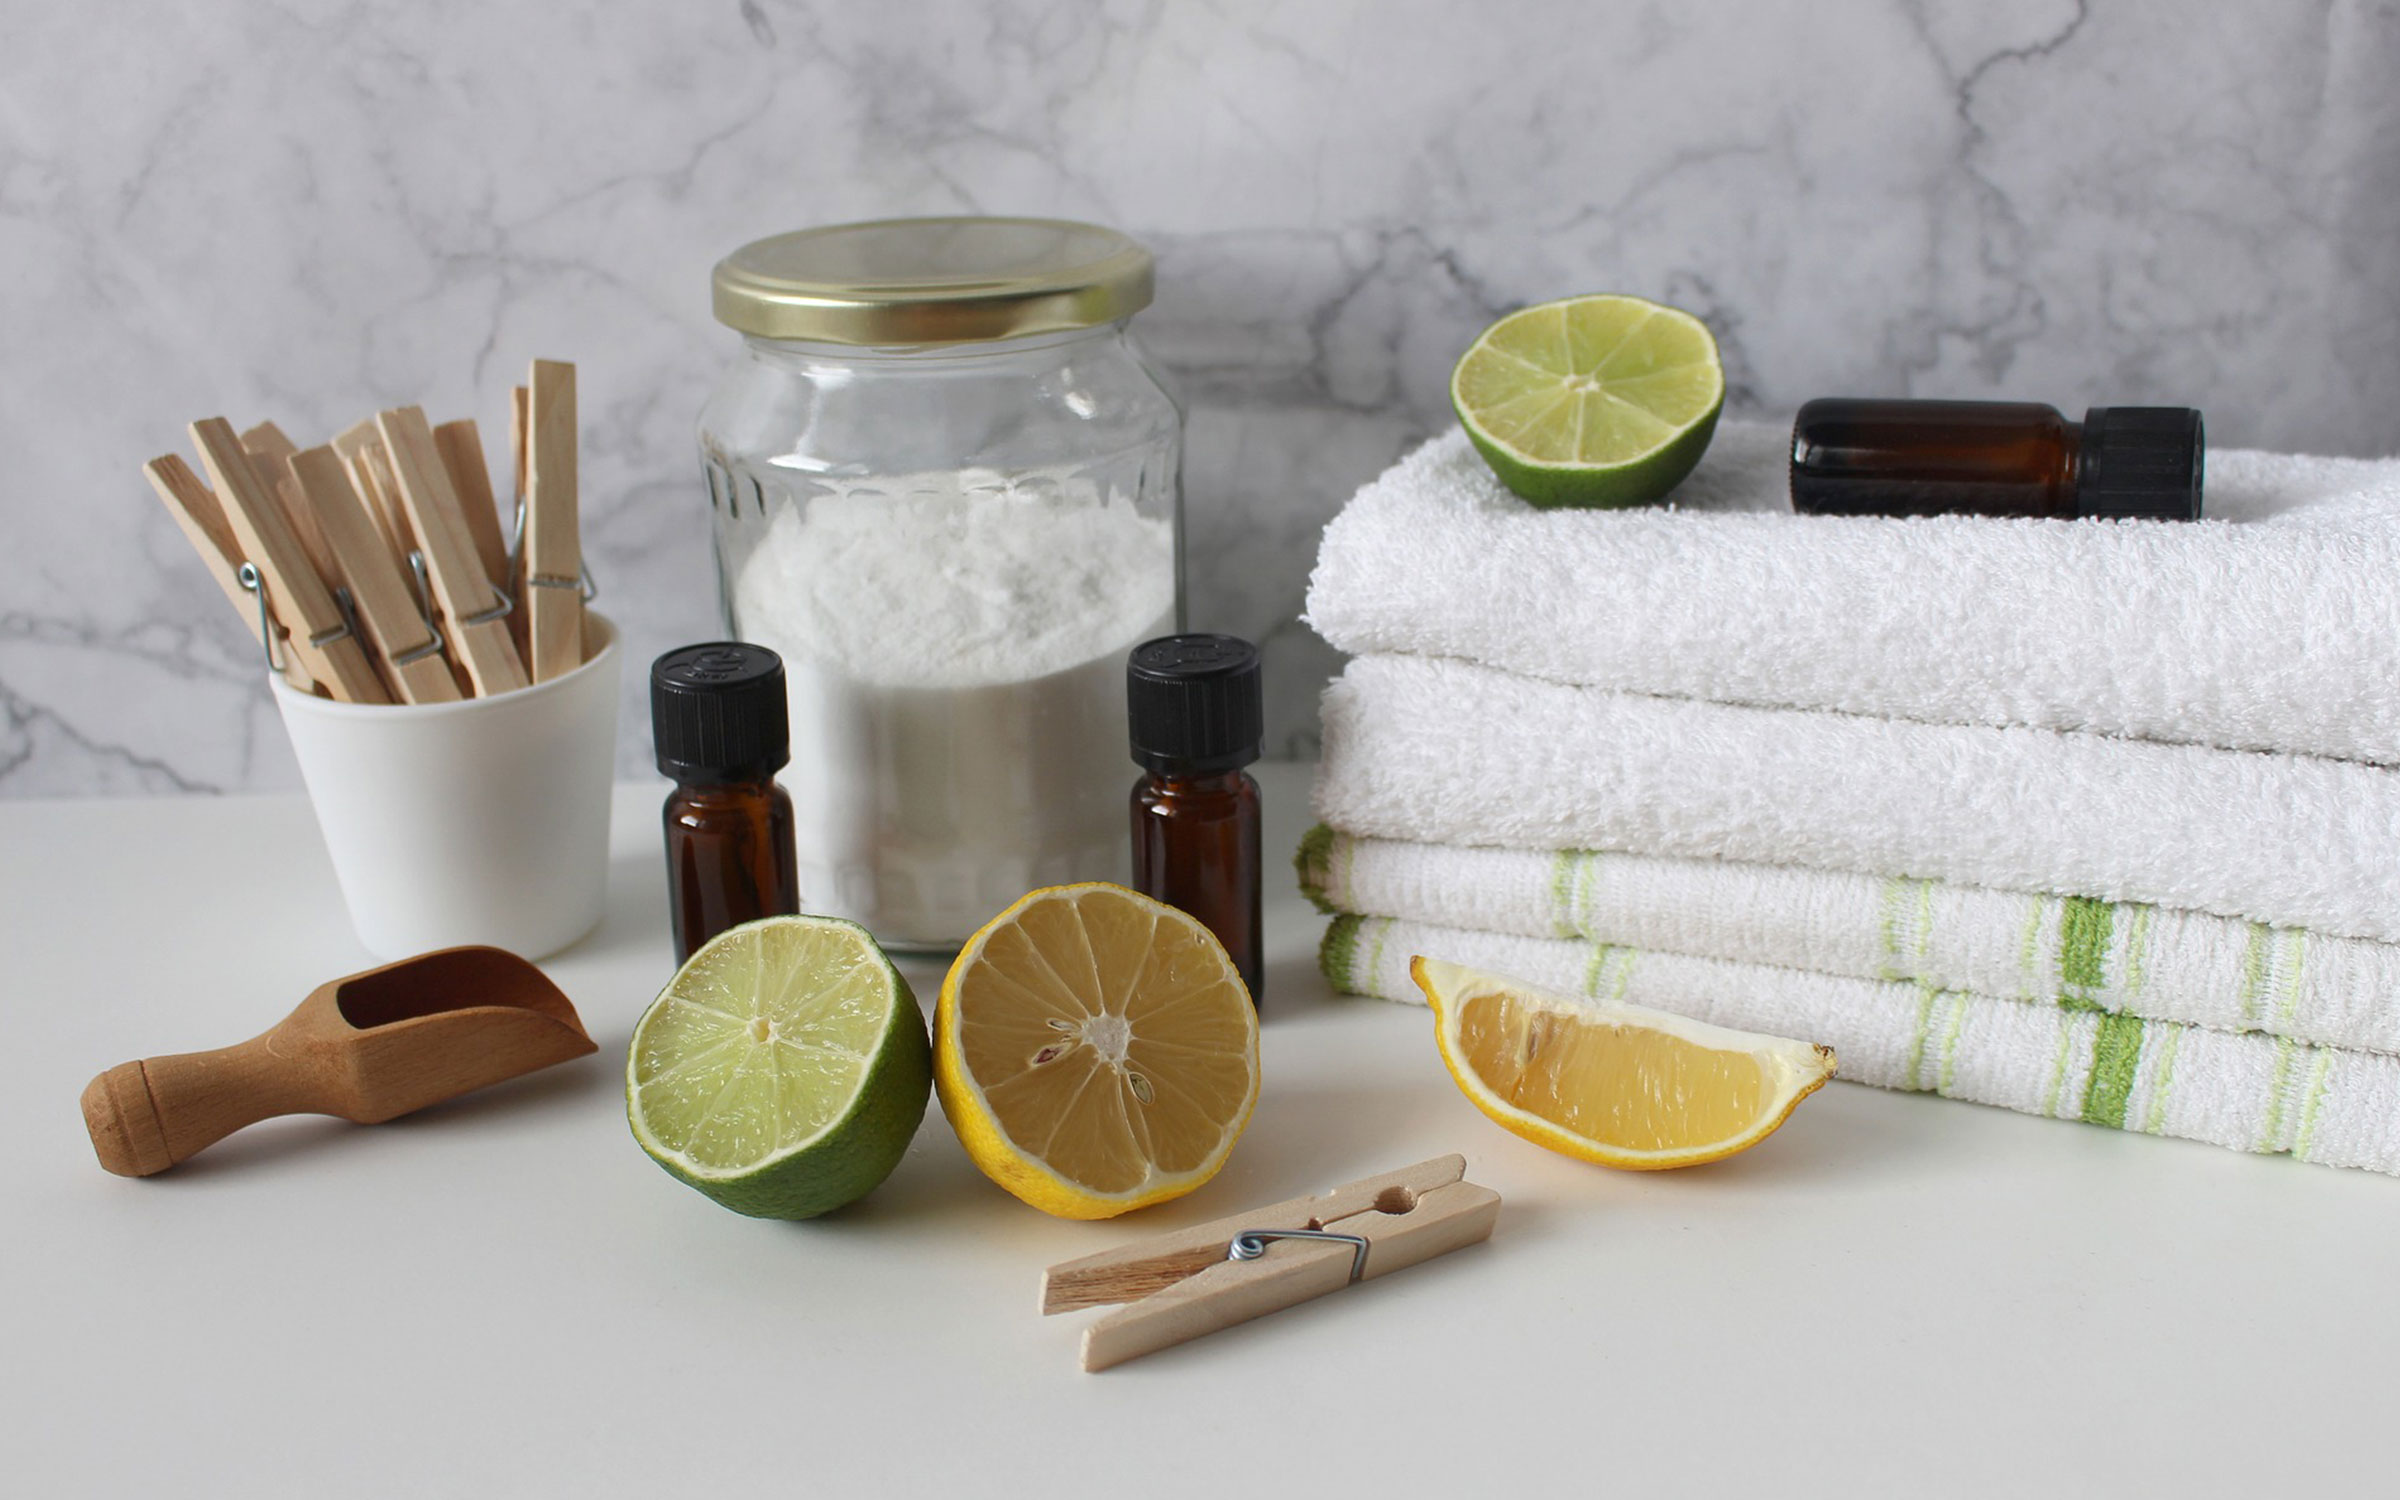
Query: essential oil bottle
{"points": [[722, 729], [1995, 458], [1197, 720]]}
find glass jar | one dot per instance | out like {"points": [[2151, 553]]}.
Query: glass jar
{"points": [[947, 491]]}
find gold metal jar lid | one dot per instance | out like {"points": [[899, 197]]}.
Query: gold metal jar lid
{"points": [[932, 281]]}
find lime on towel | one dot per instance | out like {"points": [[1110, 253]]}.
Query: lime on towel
{"points": [[1597, 401], [783, 1069]]}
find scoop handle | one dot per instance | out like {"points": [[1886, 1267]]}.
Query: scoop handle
{"points": [[146, 1116]]}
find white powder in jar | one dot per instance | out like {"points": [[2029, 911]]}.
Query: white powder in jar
{"points": [[956, 647]]}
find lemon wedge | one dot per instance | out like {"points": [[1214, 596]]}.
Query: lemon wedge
{"points": [[1612, 1083]]}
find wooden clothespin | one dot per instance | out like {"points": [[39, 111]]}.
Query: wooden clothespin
{"points": [[462, 459], [318, 635], [407, 647], [195, 509], [552, 563], [270, 451], [361, 447], [519, 402], [1211, 1276], [472, 609], [519, 406]]}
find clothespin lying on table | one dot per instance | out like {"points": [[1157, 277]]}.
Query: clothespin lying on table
{"points": [[1230, 1270]]}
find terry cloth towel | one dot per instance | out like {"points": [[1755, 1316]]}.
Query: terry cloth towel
{"points": [[2146, 961], [1446, 753], [2253, 1093], [2276, 629]]}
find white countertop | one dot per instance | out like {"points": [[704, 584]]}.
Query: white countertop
{"points": [[504, 1296]]}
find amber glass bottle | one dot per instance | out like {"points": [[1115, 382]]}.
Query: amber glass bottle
{"points": [[722, 729], [1995, 458], [1196, 717]]}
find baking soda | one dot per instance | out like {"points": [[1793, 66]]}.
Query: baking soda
{"points": [[955, 646]]}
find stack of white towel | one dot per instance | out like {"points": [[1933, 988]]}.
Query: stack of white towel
{"points": [[2097, 820]]}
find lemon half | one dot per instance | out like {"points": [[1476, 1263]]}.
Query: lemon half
{"points": [[1096, 1051]]}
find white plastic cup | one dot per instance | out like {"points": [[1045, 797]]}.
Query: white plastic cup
{"points": [[483, 821]]}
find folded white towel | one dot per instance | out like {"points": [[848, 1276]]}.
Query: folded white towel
{"points": [[2149, 961], [1446, 753], [2250, 1092], [2278, 629]]}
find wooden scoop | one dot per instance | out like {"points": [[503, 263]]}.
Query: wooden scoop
{"points": [[367, 1048]]}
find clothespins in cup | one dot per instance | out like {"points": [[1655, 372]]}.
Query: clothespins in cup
{"points": [[1230, 1270]]}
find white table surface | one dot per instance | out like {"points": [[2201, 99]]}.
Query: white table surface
{"points": [[503, 1296]]}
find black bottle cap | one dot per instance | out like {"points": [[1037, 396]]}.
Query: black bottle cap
{"points": [[1194, 704], [2140, 462], [718, 713]]}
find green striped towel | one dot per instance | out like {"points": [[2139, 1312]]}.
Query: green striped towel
{"points": [[2071, 1061], [2153, 962]]}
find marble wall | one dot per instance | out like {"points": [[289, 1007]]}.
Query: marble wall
{"points": [[308, 209]]}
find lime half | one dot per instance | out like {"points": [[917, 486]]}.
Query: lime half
{"points": [[783, 1069], [1594, 401]]}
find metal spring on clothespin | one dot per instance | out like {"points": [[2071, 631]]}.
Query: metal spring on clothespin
{"points": [[424, 583], [586, 585], [250, 578], [257, 585], [1250, 1244], [434, 644]]}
